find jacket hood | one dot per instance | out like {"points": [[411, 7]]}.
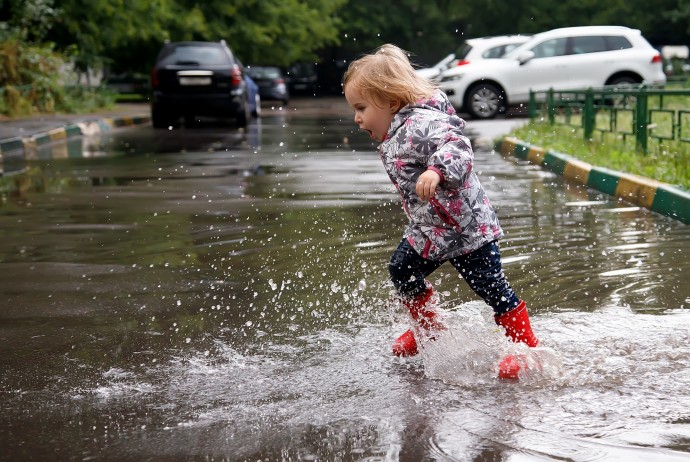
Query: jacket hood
{"points": [[438, 102]]}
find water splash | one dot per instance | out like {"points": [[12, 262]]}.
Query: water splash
{"points": [[469, 351]]}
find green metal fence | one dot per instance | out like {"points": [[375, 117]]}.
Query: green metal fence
{"points": [[631, 111]]}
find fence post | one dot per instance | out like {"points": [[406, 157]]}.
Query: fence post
{"points": [[641, 120], [532, 105], [588, 116], [551, 107]]}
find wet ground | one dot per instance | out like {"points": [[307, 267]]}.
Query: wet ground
{"points": [[207, 294]]}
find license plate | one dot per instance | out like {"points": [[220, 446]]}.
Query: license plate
{"points": [[195, 80]]}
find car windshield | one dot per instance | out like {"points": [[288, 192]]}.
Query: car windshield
{"points": [[195, 55], [264, 72]]}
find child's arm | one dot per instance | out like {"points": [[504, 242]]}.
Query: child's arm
{"points": [[427, 183], [453, 159]]}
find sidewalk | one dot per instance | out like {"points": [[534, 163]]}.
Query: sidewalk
{"points": [[23, 136]]}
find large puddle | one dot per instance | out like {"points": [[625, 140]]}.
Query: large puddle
{"points": [[229, 300]]}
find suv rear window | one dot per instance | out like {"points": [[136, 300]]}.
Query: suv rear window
{"points": [[194, 55], [595, 43], [616, 42]]}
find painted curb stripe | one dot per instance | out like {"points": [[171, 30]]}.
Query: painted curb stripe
{"points": [[672, 202], [521, 150], [577, 170], [536, 155], [508, 145], [27, 147], [639, 191], [651, 194], [603, 180], [555, 162], [58, 134], [30, 148], [12, 144], [72, 131]]}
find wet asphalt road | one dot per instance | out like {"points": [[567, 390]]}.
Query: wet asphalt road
{"points": [[212, 294]]}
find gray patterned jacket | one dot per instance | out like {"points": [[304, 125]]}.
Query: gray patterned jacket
{"points": [[459, 219]]}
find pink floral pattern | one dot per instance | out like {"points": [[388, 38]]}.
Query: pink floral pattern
{"points": [[460, 219]]}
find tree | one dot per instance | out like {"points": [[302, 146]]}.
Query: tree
{"points": [[125, 35], [428, 30], [107, 25]]}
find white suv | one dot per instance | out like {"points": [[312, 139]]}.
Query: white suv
{"points": [[472, 50], [562, 59]]}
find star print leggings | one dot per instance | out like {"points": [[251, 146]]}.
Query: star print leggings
{"points": [[481, 269]]}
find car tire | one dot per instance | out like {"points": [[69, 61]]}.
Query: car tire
{"points": [[244, 114], [190, 120], [622, 101], [257, 104], [484, 101], [158, 120], [624, 80]]}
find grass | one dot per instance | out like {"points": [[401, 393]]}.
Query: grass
{"points": [[666, 160]]}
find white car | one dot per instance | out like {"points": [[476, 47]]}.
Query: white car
{"points": [[562, 59], [472, 50]]}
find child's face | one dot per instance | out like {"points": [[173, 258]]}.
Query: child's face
{"points": [[369, 116]]}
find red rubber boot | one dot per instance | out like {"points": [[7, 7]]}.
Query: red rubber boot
{"points": [[421, 308], [518, 329]]}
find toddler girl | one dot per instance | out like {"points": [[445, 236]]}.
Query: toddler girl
{"points": [[429, 161]]}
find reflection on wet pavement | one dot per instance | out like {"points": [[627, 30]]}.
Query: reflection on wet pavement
{"points": [[207, 294]]}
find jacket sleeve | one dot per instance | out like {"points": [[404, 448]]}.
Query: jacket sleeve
{"points": [[450, 152]]}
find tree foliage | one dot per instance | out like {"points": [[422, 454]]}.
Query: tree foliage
{"points": [[125, 35]]}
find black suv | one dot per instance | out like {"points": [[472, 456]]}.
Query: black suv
{"points": [[193, 79]]}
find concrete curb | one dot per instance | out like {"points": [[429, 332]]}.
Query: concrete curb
{"points": [[653, 195], [28, 147]]}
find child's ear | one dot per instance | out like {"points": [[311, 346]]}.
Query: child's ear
{"points": [[395, 106]]}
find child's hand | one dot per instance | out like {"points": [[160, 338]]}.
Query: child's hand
{"points": [[426, 184]]}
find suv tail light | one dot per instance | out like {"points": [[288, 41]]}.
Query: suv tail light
{"points": [[657, 59], [236, 75], [154, 78], [462, 62]]}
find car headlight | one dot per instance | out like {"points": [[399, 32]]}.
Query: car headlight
{"points": [[451, 78]]}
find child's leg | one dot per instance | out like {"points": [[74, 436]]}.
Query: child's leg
{"points": [[483, 272], [408, 271]]}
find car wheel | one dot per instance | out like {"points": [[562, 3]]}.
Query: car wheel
{"points": [[484, 101], [158, 120], [244, 114], [190, 120], [622, 100], [624, 80], [257, 104]]}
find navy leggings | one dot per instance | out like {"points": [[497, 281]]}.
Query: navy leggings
{"points": [[481, 269]]}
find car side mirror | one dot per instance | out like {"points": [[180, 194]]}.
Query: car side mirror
{"points": [[525, 57]]}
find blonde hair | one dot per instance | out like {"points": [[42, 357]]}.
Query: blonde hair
{"points": [[387, 75]]}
